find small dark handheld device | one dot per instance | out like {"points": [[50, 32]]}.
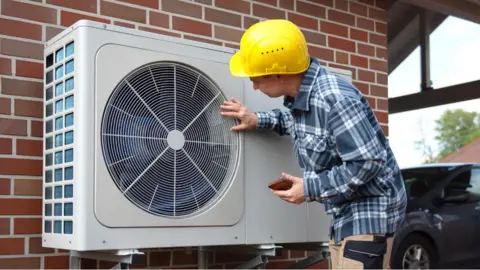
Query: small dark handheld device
{"points": [[280, 184]]}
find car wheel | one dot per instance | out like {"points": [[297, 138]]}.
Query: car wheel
{"points": [[415, 252]]}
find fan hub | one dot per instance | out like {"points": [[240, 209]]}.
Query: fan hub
{"points": [[175, 139]]}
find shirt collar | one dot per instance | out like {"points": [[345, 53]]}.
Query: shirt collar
{"points": [[302, 101]]}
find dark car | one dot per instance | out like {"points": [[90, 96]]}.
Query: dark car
{"points": [[442, 225]]}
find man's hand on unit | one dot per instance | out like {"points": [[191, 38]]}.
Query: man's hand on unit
{"points": [[248, 119]]}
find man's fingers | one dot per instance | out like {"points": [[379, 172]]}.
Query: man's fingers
{"points": [[238, 127], [229, 107], [233, 114]]}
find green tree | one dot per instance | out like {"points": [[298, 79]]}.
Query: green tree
{"points": [[455, 129]]}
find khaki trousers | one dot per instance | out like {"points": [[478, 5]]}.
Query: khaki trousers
{"points": [[361, 252]]}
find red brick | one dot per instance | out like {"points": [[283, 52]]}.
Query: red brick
{"points": [[359, 35], [146, 3], [382, 104], [315, 38], [27, 225], [341, 44], [237, 5], [21, 48], [69, 18], [36, 128], [268, 12], [341, 5], [20, 263], [233, 46], [14, 166], [368, 2], [358, 61], [123, 12], [227, 34], [223, 17], [365, 24], [160, 258], [382, 4], [312, 10], [29, 147], [321, 265], [303, 21], [341, 57], [203, 40], [52, 32], [358, 9], [379, 91], [287, 4], [29, 12], [35, 245], [191, 26], [20, 29], [268, 2], [12, 246], [377, 14], [28, 108], [334, 29], [85, 5], [322, 53], [366, 50], [22, 88], [5, 66], [56, 262], [382, 117], [381, 28], [224, 257], [5, 147], [14, 206], [29, 69], [158, 31], [365, 75], [159, 19], [27, 187], [378, 65], [248, 21], [385, 130], [183, 8], [205, 2], [381, 53], [128, 25], [362, 87], [183, 258], [297, 253], [382, 78], [13, 127], [371, 101], [323, 2], [341, 17], [4, 183], [4, 227], [5, 106]]}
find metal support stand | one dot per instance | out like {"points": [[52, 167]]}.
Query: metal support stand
{"points": [[258, 262], [122, 257]]}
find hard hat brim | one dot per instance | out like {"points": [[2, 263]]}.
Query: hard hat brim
{"points": [[236, 66]]}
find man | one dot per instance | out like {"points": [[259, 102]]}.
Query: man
{"points": [[348, 165]]}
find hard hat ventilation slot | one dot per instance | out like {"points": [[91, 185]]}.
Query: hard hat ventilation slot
{"points": [[272, 51]]}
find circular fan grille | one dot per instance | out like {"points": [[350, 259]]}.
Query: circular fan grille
{"points": [[165, 144]]}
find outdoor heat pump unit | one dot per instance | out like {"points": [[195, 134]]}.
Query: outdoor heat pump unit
{"points": [[137, 155]]}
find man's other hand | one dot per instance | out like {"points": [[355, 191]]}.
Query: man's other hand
{"points": [[248, 119], [295, 194]]}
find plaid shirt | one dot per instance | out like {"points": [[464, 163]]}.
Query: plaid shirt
{"points": [[347, 162]]}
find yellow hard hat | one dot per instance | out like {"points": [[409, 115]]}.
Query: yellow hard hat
{"points": [[271, 47]]}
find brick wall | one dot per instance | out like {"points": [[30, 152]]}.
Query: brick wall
{"points": [[343, 34]]}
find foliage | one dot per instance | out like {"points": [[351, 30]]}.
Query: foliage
{"points": [[455, 129]]}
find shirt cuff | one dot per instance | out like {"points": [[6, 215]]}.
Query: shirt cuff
{"points": [[263, 120]]}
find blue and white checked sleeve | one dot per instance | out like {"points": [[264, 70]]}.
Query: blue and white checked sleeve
{"points": [[279, 121], [361, 151]]}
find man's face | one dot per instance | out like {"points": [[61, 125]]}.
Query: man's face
{"points": [[270, 85]]}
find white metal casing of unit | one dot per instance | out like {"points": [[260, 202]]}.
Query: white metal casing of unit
{"points": [[85, 209]]}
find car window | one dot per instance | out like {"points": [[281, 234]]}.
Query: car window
{"points": [[468, 181], [419, 181]]}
